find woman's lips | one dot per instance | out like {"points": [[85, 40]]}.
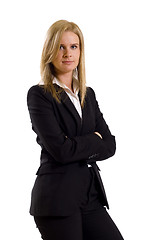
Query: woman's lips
{"points": [[67, 62]]}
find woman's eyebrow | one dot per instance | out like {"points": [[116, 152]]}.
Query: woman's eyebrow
{"points": [[63, 44]]}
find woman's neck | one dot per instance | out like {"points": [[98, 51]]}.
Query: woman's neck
{"points": [[66, 78]]}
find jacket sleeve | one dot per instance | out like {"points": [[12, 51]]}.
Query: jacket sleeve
{"points": [[62, 149], [108, 140]]}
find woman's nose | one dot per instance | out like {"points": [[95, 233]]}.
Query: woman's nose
{"points": [[67, 53]]}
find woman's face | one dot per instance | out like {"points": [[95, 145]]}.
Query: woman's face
{"points": [[68, 55]]}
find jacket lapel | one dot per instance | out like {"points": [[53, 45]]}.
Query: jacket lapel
{"points": [[71, 108], [85, 120]]}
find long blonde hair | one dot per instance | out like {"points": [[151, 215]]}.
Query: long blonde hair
{"points": [[50, 51]]}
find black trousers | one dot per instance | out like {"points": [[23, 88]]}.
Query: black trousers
{"points": [[90, 222]]}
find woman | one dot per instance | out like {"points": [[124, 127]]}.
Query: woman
{"points": [[68, 198]]}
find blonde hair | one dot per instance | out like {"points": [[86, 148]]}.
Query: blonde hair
{"points": [[50, 51]]}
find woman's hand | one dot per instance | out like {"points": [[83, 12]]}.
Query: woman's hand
{"points": [[98, 134]]}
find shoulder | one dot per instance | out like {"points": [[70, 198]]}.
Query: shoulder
{"points": [[36, 89], [37, 93], [90, 97], [39, 90], [90, 93]]}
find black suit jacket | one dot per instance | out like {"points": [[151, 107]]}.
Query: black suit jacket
{"points": [[68, 143]]}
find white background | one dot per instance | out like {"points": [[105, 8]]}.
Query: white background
{"points": [[122, 45]]}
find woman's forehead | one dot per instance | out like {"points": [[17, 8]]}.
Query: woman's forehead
{"points": [[69, 37]]}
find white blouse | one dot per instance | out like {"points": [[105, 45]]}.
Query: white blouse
{"points": [[72, 95]]}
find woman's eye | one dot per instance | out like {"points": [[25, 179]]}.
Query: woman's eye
{"points": [[61, 47], [74, 46]]}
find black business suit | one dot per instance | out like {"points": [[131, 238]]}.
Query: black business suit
{"points": [[68, 144]]}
